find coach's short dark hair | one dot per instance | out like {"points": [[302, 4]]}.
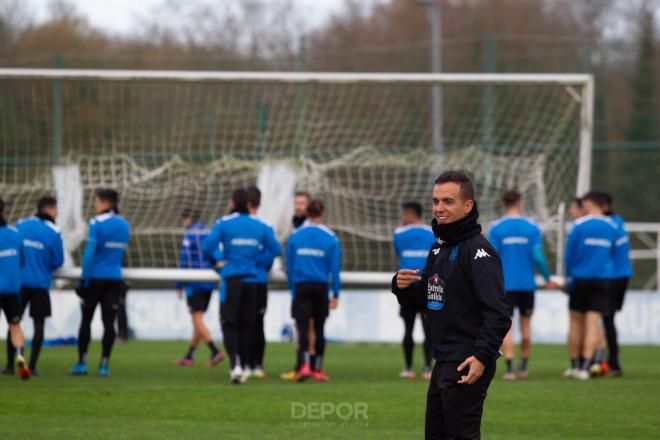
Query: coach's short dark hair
{"points": [[2, 207], [413, 207], [315, 208], [511, 198], [578, 202], [240, 200], [254, 196], [595, 197], [302, 194], [109, 195], [459, 177], [46, 202]]}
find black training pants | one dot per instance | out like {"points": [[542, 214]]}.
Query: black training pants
{"points": [[454, 411], [107, 293]]}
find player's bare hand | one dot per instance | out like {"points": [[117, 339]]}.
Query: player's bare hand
{"points": [[179, 293], [475, 370], [220, 264], [333, 303], [405, 277]]}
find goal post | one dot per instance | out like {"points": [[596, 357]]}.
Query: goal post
{"points": [[169, 140]]}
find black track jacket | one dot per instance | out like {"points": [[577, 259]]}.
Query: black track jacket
{"points": [[462, 290]]}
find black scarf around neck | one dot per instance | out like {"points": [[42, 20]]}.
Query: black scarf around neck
{"points": [[450, 234], [298, 220], [45, 217]]}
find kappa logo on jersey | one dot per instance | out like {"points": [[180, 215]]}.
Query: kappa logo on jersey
{"points": [[435, 295], [481, 254]]}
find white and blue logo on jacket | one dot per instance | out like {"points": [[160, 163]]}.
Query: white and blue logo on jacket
{"points": [[435, 293]]}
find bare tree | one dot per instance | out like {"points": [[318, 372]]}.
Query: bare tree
{"points": [[14, 19]]}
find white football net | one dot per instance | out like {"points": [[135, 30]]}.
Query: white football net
{"points": [[362, 143]]}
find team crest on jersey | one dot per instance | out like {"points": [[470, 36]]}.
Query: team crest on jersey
{"points": [[435, 293]]}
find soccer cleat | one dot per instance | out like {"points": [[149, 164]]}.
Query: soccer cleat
{"points": [[426, 374], [614, 373], [103, 370], [236, 375], [522, 375], [570, 373], [185, 362], [288, 375], [304, 373], [8, 371], [407, 374], [259, 373], [215, 359], [509, 377], [80, 369], [582, 375], [23, 370], [319, 376], [604, 368]]}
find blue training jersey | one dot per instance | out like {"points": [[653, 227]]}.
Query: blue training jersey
{"points": [[412, 244], [107, 239], [621, 264], [239, 239], [266, 257], [11, 260], [192, 257], [44, 251], [515, 238], [313, 255], [590, 248]]}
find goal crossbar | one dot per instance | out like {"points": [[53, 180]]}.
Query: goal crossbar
{"points": [[296, 77]]}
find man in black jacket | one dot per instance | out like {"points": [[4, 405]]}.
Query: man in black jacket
{"points": [[462, 289]]}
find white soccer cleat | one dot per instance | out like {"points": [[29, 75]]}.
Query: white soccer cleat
{"points": [[570, 373], [259, 373], [237, 375], [583, 375]]}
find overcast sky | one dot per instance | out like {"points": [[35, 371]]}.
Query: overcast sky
{"points": [[119, 16]]}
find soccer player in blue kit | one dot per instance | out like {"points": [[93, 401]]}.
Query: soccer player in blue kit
{"points": [[412, 243], [590, 252], [264, 264], [313, 264], [519, 242], [235, 245], [621, 272], [11, 261], [44, 252], [198, 294], [107, 240]]}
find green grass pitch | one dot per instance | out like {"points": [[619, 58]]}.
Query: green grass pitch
{"points": [[148, 397]]}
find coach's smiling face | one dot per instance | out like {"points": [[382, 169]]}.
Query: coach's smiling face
{"points": [[448, 203]]}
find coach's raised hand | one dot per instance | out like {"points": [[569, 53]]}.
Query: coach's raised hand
{"points": [[405, 277]]}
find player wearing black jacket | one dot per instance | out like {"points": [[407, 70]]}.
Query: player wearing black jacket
{"points": [[462, 289]]}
